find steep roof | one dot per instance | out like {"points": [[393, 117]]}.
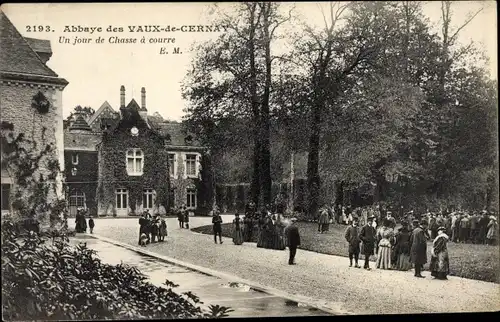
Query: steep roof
{"points": [[176, 132], [16, 55], [104, 107], [133, 105], [80, 124], [39, 45], [81, 141]]}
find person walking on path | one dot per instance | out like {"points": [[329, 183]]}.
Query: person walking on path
{"points": [[237, 230], [352, 237], [91, 225], [180, 218], [440, 262], [367, 236], [293, 240], [217, 225], [418, 251], [384, 236], [186, 218], [402, 248]]}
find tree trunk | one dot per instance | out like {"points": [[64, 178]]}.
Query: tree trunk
{"points": [[313, 180], [265, 170], [255, 188]]}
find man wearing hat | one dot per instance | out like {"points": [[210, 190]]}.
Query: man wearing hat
{"points": [[367, 236], [418, 250], [293, 240], [352, 237]]}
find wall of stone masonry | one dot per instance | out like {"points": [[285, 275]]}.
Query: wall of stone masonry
{"points": [[43, 129]]}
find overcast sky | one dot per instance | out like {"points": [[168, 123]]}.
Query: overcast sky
{"points": [[96, 71]]}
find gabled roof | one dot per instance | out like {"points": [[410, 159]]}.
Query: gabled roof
{"points": [[80, 124], [133, 105], [104, 107], [16, 55]]}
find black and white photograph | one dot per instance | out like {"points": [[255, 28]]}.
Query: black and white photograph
{"points": [[195, 160]]}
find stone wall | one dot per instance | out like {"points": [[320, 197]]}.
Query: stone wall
{"points": [[41, 128]]}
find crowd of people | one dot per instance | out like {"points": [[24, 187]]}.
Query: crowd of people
{"points": [[271, 229], [151, 228], [406, 246]]}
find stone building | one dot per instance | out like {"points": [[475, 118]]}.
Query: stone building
{"points": [[80, 155], [31, 104], [146, 162]]}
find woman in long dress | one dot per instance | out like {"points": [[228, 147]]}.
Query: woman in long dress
{"points": [[402, 249], [279, 242], [237, 230], [384, 236], [261, 222], [440, 262], [492, 227]]}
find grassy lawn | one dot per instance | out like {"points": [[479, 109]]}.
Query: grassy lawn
{"points": [[480, 262]]}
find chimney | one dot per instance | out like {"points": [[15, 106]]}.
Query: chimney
{"points": [[143, 112], [143, 99], [122, 96]]}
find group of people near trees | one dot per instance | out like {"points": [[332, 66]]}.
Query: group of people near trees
{"points": [[271, 229], [152, 228], [406, 246]]}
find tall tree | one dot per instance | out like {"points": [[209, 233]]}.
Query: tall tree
{"points": [[331, 55], [232, 78]]}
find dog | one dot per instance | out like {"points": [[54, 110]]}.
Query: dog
{"points": [[143, 239]]}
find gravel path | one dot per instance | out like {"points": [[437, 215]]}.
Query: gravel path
{"points": [[319, 276]]}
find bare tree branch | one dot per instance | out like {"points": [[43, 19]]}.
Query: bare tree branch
{"points": [[452, 38]]}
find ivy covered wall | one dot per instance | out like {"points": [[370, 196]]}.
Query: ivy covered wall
{"points": [[85, 179], [113, 169]]}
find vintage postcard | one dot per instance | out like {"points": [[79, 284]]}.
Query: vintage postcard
{"points": [[248, 159]]}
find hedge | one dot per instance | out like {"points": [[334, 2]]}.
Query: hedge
{"points": [[63, 282]]}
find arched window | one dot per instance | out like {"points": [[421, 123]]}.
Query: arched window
{"points": [[135, 162]]}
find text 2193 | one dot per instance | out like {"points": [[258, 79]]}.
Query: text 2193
{"points": [[36, 28]]}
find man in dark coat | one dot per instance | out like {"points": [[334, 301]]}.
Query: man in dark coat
{"points": [[352, 237], [293, 240], [142, 226], [180, 217], [418, 251], [217, 225], [367, 236]]}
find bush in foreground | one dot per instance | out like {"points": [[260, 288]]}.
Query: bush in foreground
{"points": [[62, 282]]}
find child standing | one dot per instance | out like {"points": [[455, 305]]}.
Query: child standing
{"points": [[91, 225]]}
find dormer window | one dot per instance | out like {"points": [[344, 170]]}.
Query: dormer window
{"points": [[188, 140], [74, 158], [135, 162], [168, 139]]}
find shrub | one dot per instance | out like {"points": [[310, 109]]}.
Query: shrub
{"points": [[62, 282]]}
